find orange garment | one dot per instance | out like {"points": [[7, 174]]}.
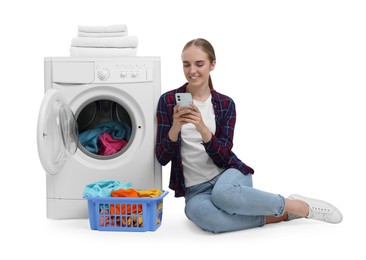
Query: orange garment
{"points": [[125, 193], [125, 209], [131, 208]]}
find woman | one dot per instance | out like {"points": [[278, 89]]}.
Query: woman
{"points": [[216, 184]]}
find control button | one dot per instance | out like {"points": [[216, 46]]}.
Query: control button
{"points": [[104, 74], [123, 74]]}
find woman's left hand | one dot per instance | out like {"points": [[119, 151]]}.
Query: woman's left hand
{"points": [[194, 117]]}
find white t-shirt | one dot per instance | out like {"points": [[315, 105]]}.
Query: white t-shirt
{"points": [[198, 167]]}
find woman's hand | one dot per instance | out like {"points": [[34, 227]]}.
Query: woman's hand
{"points": [[180, 117], [193, 116]]}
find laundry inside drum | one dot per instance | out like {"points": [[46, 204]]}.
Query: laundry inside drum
{"points": [[105, 129]]}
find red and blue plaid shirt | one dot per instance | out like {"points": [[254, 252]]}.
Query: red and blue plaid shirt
{"points": [[218, 148]]}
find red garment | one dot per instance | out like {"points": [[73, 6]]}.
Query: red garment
{"points": [[108, 145]]}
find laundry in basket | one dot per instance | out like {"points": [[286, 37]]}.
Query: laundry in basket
{"points": [[127, 210]]}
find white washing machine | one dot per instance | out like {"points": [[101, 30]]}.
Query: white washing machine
{"points": [[80, 95]]}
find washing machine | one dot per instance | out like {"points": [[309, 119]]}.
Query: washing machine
{"points": [[81, 95]]}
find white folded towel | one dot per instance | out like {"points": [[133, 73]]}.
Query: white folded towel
{"points": [[101, 29], [102, 52], [111, 42], [111, 34]]}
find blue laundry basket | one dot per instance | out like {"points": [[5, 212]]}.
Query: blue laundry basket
{"points": [[125, 214]]}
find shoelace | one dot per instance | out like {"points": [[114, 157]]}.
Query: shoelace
{"points": [[320, 214]]}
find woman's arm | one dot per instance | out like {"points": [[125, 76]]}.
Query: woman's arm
{"points": [[221, 143], [164, 148]]}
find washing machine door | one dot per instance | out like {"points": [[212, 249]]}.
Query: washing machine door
{"points": [[57, 132]]}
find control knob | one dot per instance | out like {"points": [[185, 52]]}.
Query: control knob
{"points": [[123, 74], [104, 74]]}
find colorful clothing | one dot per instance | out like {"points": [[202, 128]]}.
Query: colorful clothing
{"points": [[108, 145], [104, 188], [90, 138]]}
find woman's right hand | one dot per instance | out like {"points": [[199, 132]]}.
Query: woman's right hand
{"points": [[178, 121]]}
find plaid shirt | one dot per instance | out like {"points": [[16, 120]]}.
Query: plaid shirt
{"points": [[218, 148]]}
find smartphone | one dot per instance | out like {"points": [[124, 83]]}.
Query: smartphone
{"points": [[184, 99]]}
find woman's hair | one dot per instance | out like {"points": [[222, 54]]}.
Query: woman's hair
{"points": [[205, 46]]}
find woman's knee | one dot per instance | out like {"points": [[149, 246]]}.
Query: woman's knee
{"points": [[203, 216], [224, 197]]}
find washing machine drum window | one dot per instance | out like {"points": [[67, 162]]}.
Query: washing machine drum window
{"points": [[57, 133], [105, 128]]}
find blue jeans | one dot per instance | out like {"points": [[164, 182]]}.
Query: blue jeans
{"points": [[229, 202]]}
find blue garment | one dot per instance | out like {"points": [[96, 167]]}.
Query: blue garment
{"points": [[104, 188], [229, 202], [118, 130]]}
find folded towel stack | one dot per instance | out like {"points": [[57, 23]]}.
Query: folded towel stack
{"points": [[106, 41]]}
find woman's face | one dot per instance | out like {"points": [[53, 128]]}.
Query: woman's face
{"points": [[196, 66]]}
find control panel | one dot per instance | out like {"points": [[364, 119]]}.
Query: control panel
{"points": [[119, 72]]}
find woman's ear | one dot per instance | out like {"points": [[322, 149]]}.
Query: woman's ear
{"points": [[213, 64]]}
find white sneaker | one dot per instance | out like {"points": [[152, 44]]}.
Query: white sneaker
{"points": [[320, 210]]}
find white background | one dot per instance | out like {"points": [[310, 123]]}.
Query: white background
{"points": [[296, 70]]}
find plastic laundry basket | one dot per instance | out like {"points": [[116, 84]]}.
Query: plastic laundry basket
{"points": [[125, 214]]}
